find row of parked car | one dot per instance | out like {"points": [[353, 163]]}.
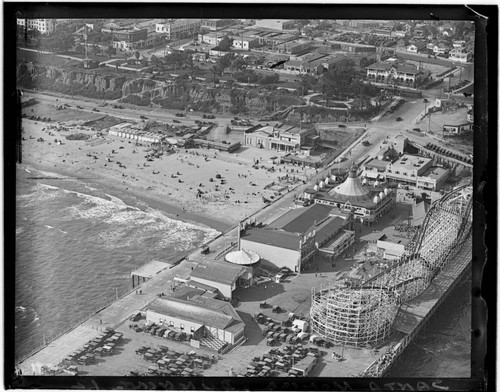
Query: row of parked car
{"points": [[161, 331]]}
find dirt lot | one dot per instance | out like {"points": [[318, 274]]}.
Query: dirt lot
{"points": [[435, 69], [48, 110], [48, 59]]}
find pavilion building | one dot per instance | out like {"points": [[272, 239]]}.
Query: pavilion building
{"points": [[367, 203]]}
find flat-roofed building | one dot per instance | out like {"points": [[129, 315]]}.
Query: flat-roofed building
{"points": [[180, 28], [130, 39], [352, 47], [244, 43], [275, 24], [433, 178], [211, 38], [305, 365], [391, 246], [216, 24], [281, 138], [44, 26], [407, 169]]}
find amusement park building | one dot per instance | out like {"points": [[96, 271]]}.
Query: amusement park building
{"points": [[368, 204]]}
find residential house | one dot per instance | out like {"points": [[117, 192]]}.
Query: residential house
{"points": [[460, 55], [416, 47], [440, 49], [458, 44]]}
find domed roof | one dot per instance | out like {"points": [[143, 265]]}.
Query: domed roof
{"points": [[351, 189], [242, 257]]}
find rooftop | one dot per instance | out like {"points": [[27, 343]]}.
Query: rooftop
{"points": [[299, 220], [304, 363], [400, 68], [351, 190], [391, 236], [331, 225], [376, 164], [197, 312], [276, 237], [410, 162], [434, 172], [225, 273]]}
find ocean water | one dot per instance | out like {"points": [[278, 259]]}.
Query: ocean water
{"points": [[443, 347], [75, 248]]}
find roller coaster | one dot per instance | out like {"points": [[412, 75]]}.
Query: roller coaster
{"points": [[346, 315]]}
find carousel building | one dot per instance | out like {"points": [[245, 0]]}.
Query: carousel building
{"points": [[367, 203]]}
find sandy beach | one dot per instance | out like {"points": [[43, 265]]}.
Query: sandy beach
{"points": [[210, 187]]}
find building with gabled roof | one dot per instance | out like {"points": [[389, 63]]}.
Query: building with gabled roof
{"points": [[202, 318], [223, 276], [384, 72]]}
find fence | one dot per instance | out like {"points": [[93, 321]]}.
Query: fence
{"points": [[50, 338]]}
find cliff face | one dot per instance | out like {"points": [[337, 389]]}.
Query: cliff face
{"points": [[196, 95], [101, 82]]}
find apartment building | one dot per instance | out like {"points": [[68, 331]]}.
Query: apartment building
{"points": [[180, 28], [44, 26]]}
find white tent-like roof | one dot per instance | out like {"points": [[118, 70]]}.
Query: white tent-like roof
{"points": [[242, 257], [351, 189]]}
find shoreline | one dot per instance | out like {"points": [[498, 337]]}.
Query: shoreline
{"points": [[132, 196]]}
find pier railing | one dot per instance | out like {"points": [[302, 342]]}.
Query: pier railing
{"points": [[48, 339]]}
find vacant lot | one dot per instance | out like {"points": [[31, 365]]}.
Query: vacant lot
{"points": [[48, 110], [48, 59], [435, 69]]}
